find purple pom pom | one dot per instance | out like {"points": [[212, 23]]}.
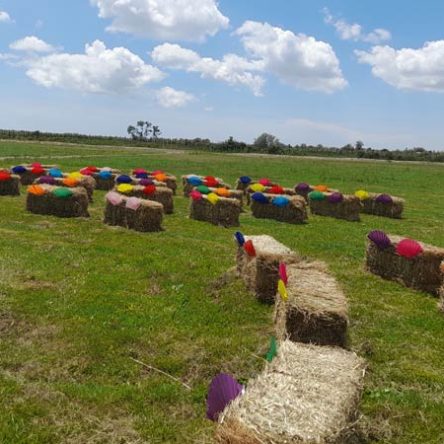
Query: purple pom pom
{"points": [[384, 198], [146, 182], [49, 180], [223, 389], [335, 198], [303, 187], [380, 239]]}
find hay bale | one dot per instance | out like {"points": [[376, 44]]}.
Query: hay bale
{"points": [[261, 272], [225, 212], [316, 309], [75, 205], [307, 395], [188, 187], [105, 183], [9, 184], [147, 217], [424, 272], [348, 209], [392, 209], [162, 194], [293, 213]]}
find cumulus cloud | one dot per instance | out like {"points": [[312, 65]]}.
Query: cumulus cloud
{"points": [[191, 20], [31, 44], [98, 70], [231, 69], [416, 69], [354, 31], [168, 97], [296, 59], [5, 17]]}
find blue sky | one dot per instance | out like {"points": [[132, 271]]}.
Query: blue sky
{"points": [[329, 72]]}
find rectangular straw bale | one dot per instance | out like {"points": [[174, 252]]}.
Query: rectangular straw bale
{"points": [[10, 187], [393, 209], [49, 204], [261, 272], [424, 272], [307, 395], [163, 195], [105, 184], [225, 212], [316, 309], [294, 213], [348, 209]]}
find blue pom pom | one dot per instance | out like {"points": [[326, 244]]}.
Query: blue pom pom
{"points": [[105, 175], [142, 176], [245, 180], [280, 201], [19, 169], [124, 179], [240, 238], [259, 197], [55, 172], [195, 181]]}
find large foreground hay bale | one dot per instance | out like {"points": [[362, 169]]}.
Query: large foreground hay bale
{"points": [[191, 181], [225, 212], [424, 272], [145, 215], [74, 204], [307, 395], [261, 271], [295, 212], [161, 194], [348, 208], [9, 184], [316, 309], [378, 206]]}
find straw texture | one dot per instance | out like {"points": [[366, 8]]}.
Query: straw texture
{"points": [[10, 187], [348, 209], [294, 213], [393, 209], [225, 212]]}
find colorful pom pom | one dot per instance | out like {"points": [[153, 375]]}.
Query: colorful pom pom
{"points": [[316, 195], [249, 248], [303, 188], [409, 248], [4, 176], [87, 172], [124, 179], [335, 198], [133, 203], [265, 182], [75, 175], [362, 195], [137, 171], [142, 176], [70, 182], [322, 188], [36, 165], [156, 172], [280, 201], [194, 180], [55, 172], [105, 175], [380, 239], [239, 238], [211, 182], [92, 168], [48, 180], [146, 182], [222, 391], [213, 198], [37, 170], [282, 289], [260, 197], [245, 180], [257, 188], [283, 273], [37, 190], [276, 189], [203, 189], [114, 198], [384, 199], [125, 188], [20, 169], [149, 190], [223, 192], [160, 177], [62, 193], [196, 195]]}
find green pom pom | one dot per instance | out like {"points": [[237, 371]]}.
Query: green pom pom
{"points": [[62, 192], [317, 195], [203, 189], [272, 351]]}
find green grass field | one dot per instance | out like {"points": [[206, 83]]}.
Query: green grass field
{"points": [[79, 301]]}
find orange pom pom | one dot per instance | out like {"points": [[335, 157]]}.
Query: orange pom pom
{"points": [[160, 177], [223, 192], [321, 188], [70, 182], [37, 190]]}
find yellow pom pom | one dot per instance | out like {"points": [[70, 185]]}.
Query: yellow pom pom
{"points": [[362, 194], [257, 187], [282, 289], [76, 175], [213, 198], [125, 188]]}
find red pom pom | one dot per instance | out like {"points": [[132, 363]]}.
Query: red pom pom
{"points": [[149, 189], [276, 189], [86, 172], [37, 170], [211, 181], [140, 171], [93, 168], [265, 182], [249, 248], [4, 176], [408, 248], [36, 165], [195, 195]]}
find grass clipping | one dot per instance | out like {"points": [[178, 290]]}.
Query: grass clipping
{"points": [[225, 212], [316, 309], [424, 272], [307, 395], [393, 209], [348, 209], [293, 213], [261, 272]]}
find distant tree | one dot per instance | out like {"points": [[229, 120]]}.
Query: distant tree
{"points": [[359, 145], [156, 131], [141, 131], [269, 143]]}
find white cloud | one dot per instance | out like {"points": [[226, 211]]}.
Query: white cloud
{"points": [[231, 69], [31, 44], [5, 17], [191, 20], [99, 70], [168, 97], [296, 59], [354, 31], [416, 69]]}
